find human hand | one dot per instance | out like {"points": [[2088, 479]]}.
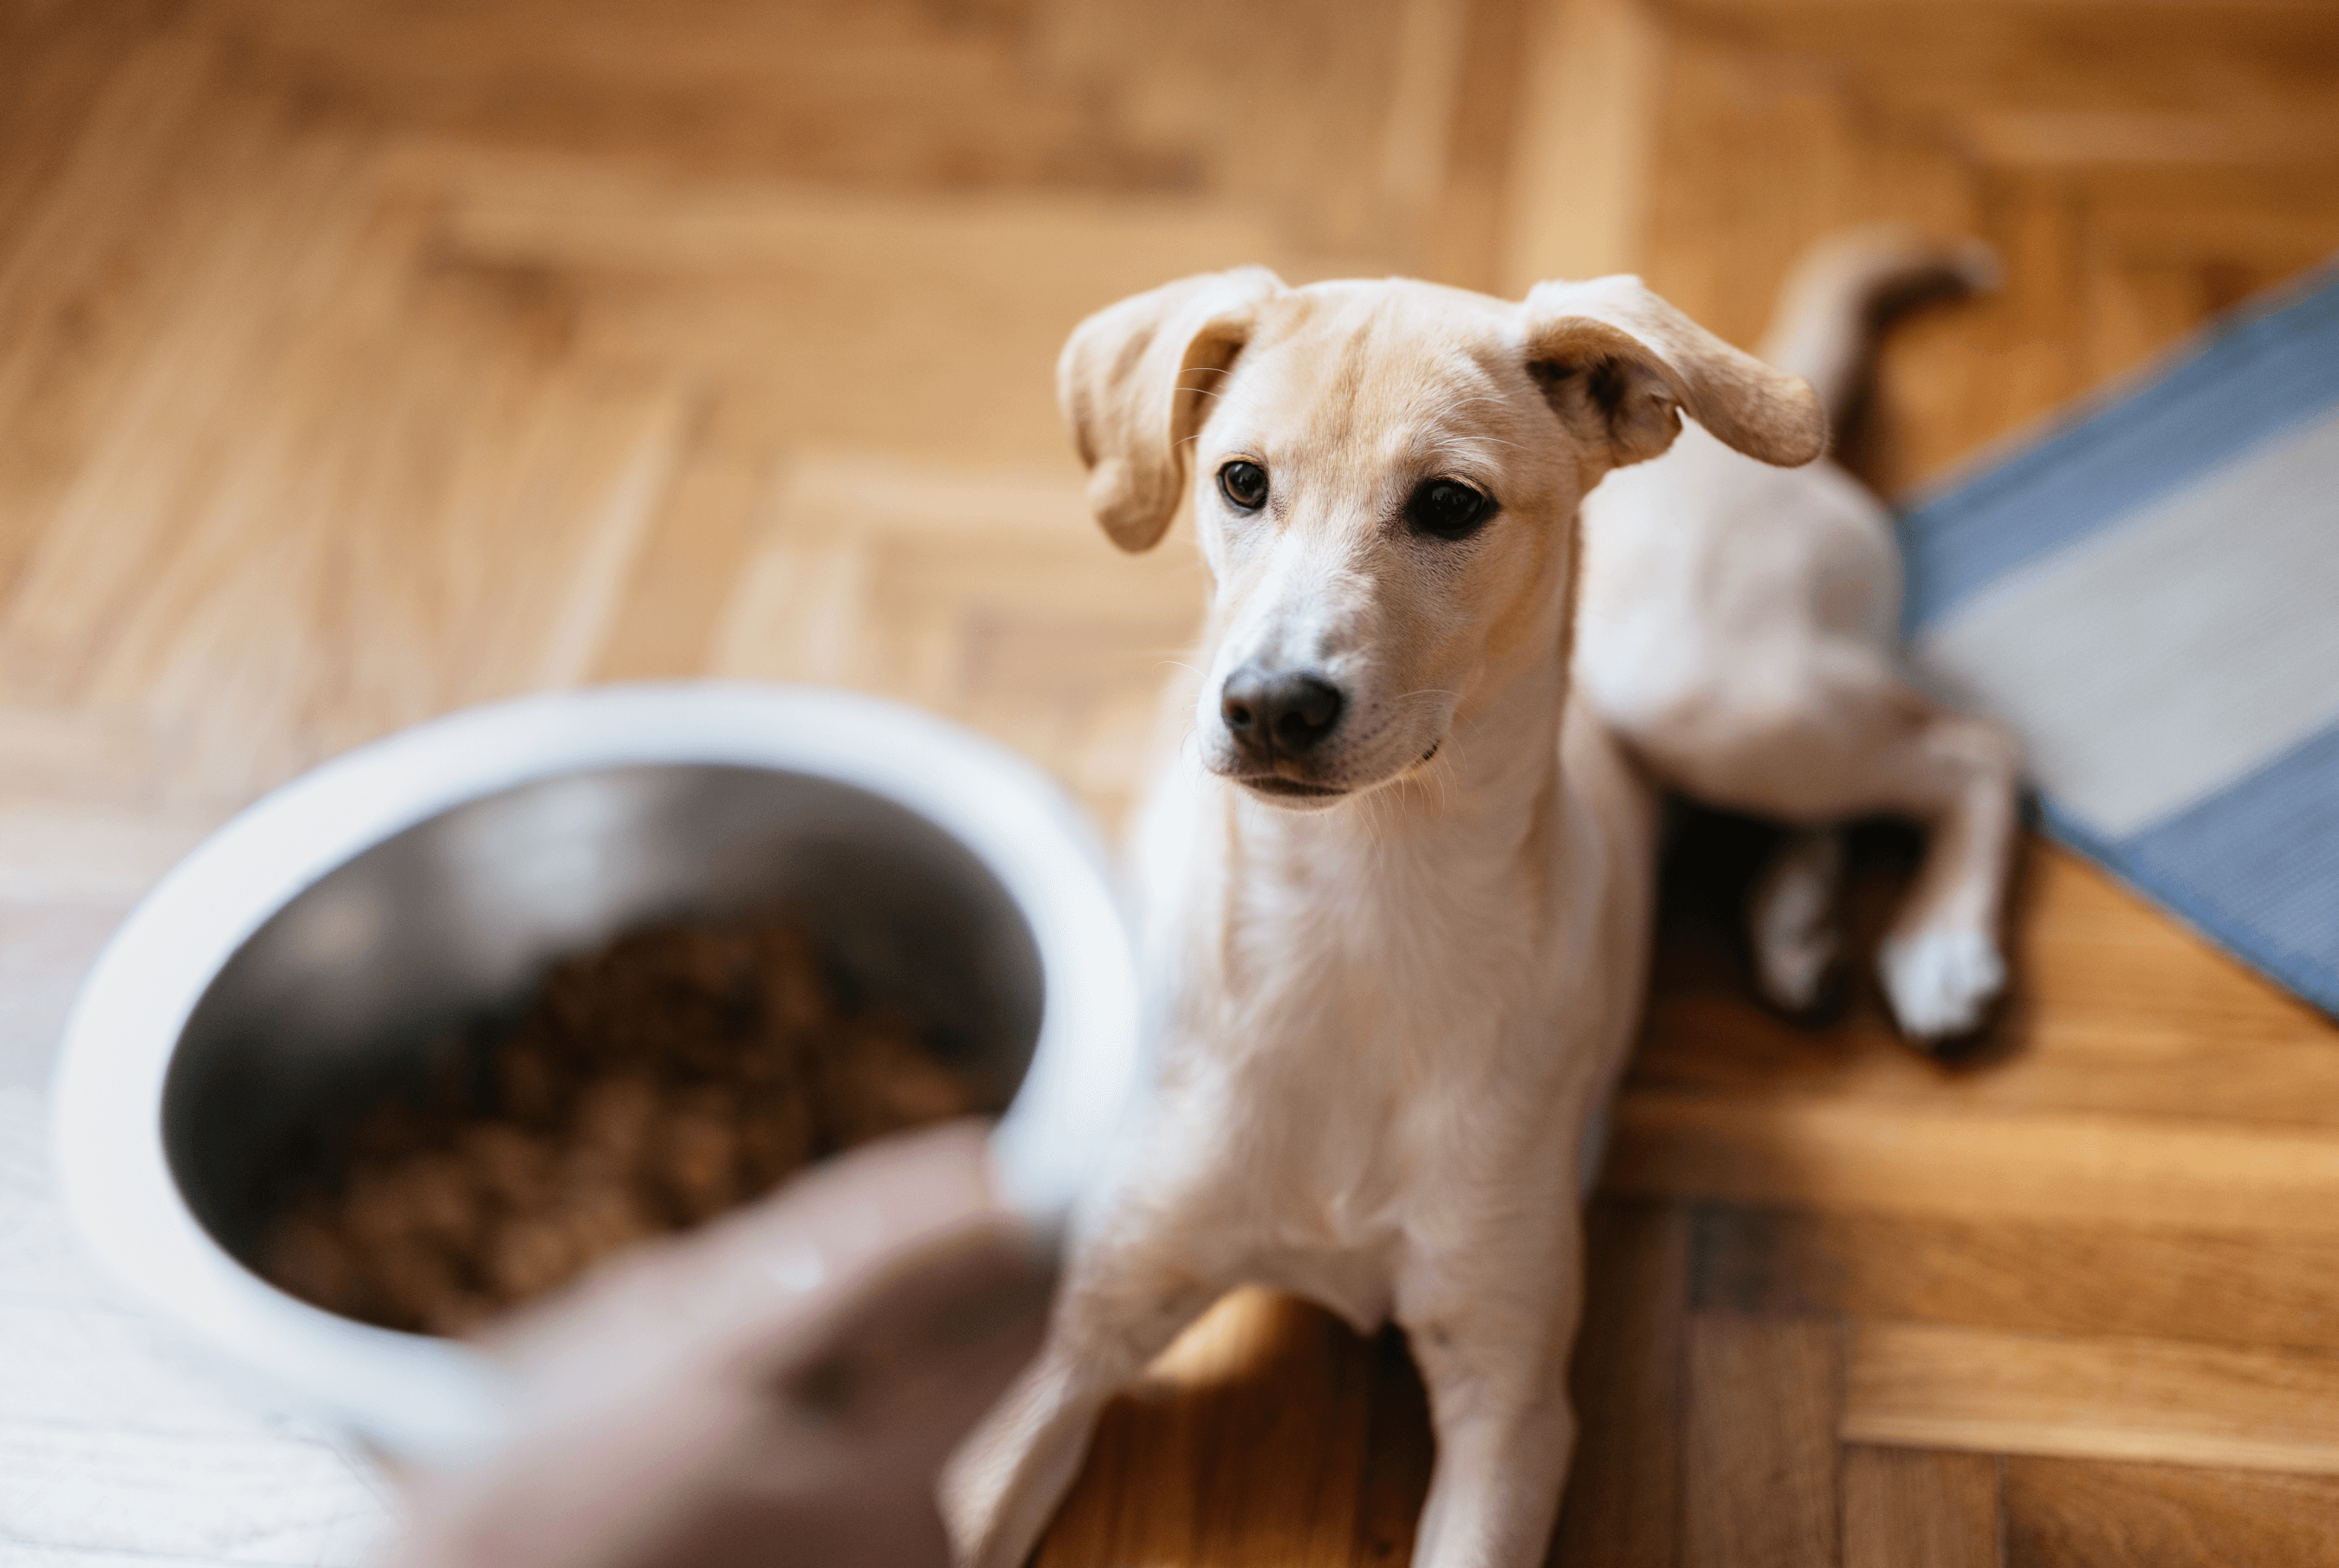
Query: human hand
{"points": [[780, 1387]]}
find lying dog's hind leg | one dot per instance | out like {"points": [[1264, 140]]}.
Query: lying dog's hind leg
{"points": [[1853, 740], [1115, 1315], [1940, 961], [1791, 919], [1868, 743]]}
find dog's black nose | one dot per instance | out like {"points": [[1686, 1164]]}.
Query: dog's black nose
{"points": [[1270, 713]]}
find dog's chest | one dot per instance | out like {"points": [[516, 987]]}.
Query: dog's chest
{"points": [[1350, 1036], [1369, 1117]]}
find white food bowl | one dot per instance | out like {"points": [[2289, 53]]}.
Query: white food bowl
{"points": [[344, 921]]}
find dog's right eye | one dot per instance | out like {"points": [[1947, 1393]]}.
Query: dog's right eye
{"points": [[1448, 509], [1244, 485]]}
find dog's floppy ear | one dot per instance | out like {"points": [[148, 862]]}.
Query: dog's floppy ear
{"points": [[1619, 366], [1130, 385]]}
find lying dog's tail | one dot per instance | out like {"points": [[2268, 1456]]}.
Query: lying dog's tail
{"points": [[1845, 289]]}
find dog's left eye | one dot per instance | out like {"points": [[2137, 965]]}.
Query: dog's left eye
{"points": [[1244, 485], [1449, 508]]}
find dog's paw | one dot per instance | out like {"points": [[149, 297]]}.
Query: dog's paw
{"points": [[1942, 984], [1791, 966], [1791, 924]]}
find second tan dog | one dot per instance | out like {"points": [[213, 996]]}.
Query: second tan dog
{"points": [[1740, 629], [1395, 887]]}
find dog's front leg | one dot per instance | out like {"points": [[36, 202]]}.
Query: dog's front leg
{"points": [[1121, 1306], [1494, 1362]]}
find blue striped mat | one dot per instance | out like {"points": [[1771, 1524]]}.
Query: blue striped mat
{"points": [[2148, 594]]}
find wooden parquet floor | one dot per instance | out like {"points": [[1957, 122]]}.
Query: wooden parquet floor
{"points": [[361, 361]]}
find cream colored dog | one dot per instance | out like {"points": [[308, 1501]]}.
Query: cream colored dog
{"points": [[1739, 629], [1395, 886]]}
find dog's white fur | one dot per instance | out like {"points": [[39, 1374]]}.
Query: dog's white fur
{"points": [[1387, 1012], [1738, 631]]}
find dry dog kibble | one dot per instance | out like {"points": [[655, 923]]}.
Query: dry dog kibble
{"points": [[648, 1087]]}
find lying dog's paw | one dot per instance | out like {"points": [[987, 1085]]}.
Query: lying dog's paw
{"points": [[1791, 922], [1793, 964], [1941, 983]]}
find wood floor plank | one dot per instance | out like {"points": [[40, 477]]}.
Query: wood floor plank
{"points": [[1911, 1508], [2274, 1066], [2130, 1172], [1760, 1483], [1108, 95], [1400, 1451], [82, 753], [1397, 1459], [1466, 233], [112, 399], [687, 568], [1759, 151], [2079, 1514], [61, 854], [2021, 1276], [46, 949], [1594, 72], [1930, 1386], [55, 62], [950, 313], [1624, 1502], [2094, 137], [75, 260]]}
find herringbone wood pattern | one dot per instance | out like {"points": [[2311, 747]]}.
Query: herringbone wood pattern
{"points": [[358, 362]]}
